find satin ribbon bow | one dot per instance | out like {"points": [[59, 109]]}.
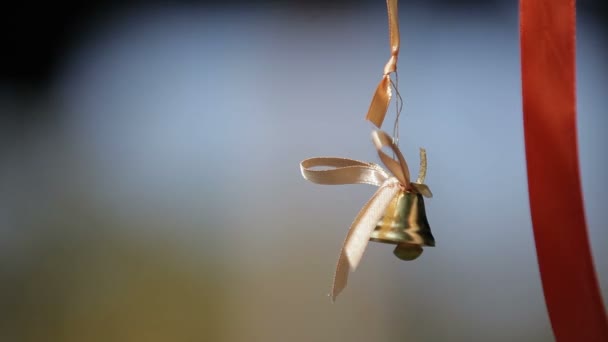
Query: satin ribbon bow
{"points": [[348, 171], [382, 97]]}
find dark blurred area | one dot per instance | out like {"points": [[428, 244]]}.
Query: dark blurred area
{"points": [[35, 38], [149, 181]]}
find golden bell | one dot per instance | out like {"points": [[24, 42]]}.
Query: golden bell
{"points": [[404, 223]]}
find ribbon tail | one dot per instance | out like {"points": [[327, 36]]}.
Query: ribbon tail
{"points": [[380, 102], [358, 235], [423, 189], [422, 171]]}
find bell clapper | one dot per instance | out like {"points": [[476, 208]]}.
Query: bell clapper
{"points": [[407, 251]]}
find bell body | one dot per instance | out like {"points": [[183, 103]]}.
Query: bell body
{"points": [[404, 223]]}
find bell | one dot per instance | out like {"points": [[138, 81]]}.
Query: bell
{"points": [[404, 223]]}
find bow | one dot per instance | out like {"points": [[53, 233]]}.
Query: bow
{"points": [[348, 171]]}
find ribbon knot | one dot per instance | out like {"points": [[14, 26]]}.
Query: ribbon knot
{"points": [[348, 171], [382, 96]]}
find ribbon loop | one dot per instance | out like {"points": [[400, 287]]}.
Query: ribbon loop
{"points": [[399, 169], [342, 171], [349, 171]]}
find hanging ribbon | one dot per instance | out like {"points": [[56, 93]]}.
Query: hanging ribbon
{"points": [[349, 171], [382, 96], [569, 282]]}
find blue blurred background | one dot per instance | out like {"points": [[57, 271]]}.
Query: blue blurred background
{"points": [[150, 187]]}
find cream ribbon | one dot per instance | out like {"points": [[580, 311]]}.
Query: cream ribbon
{"points": [[382, 96], [349, 171]]}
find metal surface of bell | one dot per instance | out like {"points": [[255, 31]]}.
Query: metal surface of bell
{"points": [[404, 223]]}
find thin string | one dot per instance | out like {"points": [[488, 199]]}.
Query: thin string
{"points": [[398, 108]]}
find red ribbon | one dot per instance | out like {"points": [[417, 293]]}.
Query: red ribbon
{"points": [[570, 286]]}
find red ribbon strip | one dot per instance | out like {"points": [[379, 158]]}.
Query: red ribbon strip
{"points": [[574, 302]]}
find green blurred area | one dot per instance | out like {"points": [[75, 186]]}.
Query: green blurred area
{"points": [[83, 276], [83, 280]]}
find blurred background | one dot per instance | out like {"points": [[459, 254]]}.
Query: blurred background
{"points": [[150, 187]]}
